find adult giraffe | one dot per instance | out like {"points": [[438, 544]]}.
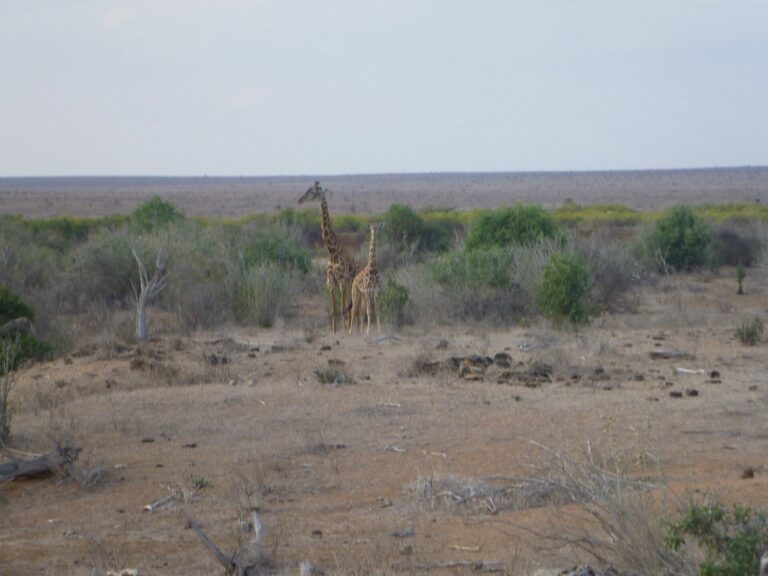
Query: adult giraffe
{"points": [[341, 268]]}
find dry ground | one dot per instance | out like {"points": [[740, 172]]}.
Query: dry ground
{"points": [[332, 466], [237, 197]]}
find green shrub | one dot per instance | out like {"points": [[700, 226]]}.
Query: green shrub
{"points": [[476, 268], [732, 539], [565, 288], [272, 245], [520, 225], [408, 232], [750, 332], [12, 307], [25, 346], [155, 213], [394, 303], [680, 238]]}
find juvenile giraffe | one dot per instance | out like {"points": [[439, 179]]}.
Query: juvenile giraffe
{"points": [[367, 287], [341, 268]]}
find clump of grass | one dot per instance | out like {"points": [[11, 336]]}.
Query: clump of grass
{"points": [[334, 375], [750, 332]]}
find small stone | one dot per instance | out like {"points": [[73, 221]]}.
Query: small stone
{"points": [[691, 392], [748, 473], [675, 394], [502, 359]]}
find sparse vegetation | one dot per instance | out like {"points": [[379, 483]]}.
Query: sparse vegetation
{"points": [[750, 332], [733, 538]]}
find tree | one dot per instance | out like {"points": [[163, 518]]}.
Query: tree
{"points": [[150, 288]]}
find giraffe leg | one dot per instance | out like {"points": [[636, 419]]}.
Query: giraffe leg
{"points": [[332, 294], [347, 303], [352, 311], [376, 296], [368, 312]]}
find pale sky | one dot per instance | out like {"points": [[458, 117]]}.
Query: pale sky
{"points": [[314, 87]]}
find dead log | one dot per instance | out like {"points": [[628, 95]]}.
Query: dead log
{"points": [[43, 466], [246, 561]]}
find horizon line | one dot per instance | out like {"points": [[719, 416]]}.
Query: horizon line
{"points": [[380, 174]]}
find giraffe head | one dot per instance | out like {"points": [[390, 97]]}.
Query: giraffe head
{"points": [[313, 193]]}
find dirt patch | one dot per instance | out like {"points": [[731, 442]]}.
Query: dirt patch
{"points": [[408, 448]]}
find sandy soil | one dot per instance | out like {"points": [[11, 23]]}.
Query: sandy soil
{"points": [[237, 197], [332, 467]]}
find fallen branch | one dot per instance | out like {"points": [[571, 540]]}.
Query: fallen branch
{"points": [[160, 503], [475, 565], [45, 465], [246, 560]]}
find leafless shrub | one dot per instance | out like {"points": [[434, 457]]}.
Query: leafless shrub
{"points": [[86, 473], [615, 271], [618, 520], [457, 495]]}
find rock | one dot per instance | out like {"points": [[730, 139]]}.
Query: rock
{"points": [[477, 360], [503, 360], [691, 392], [469, 372], [18, 326], [714, 375], [671, 355], [748, 473], [215, 360], [407, 533], [540, 370], [675, 394], [639, 377]]}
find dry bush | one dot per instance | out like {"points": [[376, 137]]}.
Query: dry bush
{"points": [[457, 495], [618, 521], [265, 295], [615, 271]]}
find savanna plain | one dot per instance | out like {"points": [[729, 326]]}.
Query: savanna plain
{"points": [[578, 384]]}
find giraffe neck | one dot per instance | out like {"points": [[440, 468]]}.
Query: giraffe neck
{"points": [[329, 238], [372, 250]]}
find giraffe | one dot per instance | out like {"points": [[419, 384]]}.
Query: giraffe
{"points": [[341, 268], [367, 287]]}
